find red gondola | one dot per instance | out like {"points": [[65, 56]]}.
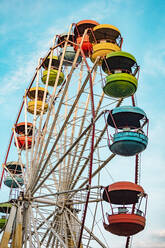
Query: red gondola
{"points": [[125, 220], [22, 142], [20, 128], [78, 32]]}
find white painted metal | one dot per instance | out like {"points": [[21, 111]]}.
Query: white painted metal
{"points": [[57, 171]]}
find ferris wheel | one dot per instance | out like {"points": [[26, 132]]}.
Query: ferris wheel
{"points": [[71, 124]]}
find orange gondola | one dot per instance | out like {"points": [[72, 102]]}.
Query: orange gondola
{"points": [[20, 128], [123, 192], [125, 220], [79, 31], [125, 224], [22, 142]]}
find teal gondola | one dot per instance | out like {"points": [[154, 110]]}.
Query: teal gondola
{"points": [[129, 138], [11, 183]]}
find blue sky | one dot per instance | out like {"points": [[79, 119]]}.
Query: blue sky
{"points": [[26, 32]]}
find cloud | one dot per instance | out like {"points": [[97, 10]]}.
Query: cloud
{"points": [[151, 239], [160, 235], [99, 11], [156, 130], [149, 244], [156, 239], [19, 76], [154, 60]]}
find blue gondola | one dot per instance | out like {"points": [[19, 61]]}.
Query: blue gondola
{"points": [[11, 183], [69, 52], [130, 138]]}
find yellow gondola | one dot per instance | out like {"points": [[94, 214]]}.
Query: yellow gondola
{"points": [[31, 107], [105, 39], [32, 93], [31, 104]]}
